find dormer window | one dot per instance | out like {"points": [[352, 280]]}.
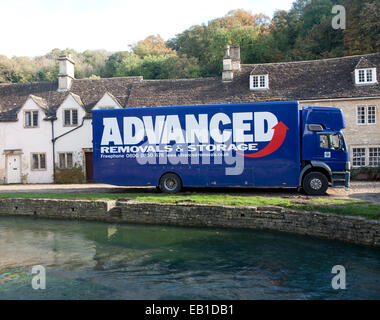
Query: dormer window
{"points": [[365, 76], [31, 118], [259, 82], [70, 117]]}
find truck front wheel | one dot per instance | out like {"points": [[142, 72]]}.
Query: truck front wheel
{"points": [[170, 183], [315, 183]]}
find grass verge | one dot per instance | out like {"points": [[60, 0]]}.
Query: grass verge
{"points": [[332, 206]]}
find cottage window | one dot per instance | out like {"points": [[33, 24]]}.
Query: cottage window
{"points": [[31, 119], [365, 76], [374, 157], [70, 117], [361, 75], [371, 114], [66, 160], [38, 161], [366, 115], [369, 75], [361, 115], [358, 157], [259, 82]]}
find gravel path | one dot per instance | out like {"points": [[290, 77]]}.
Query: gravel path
{"points": [[368, 191]]}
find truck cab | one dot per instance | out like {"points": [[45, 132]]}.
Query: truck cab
{"points": [[324, 156]]}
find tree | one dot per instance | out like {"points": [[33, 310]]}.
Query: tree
{"points": [[129, 66], [113, 62], [153, 46], [362, 34], [303, 32]]}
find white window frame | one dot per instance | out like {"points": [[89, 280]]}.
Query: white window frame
{"points": [[375, 108], [366, 72], [366, 109], [71, 117], [259, 78], [32, 112], [369, 156], [365, 157], [65, 160], [39, 161], [365, 116]]}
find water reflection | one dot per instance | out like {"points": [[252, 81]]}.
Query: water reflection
{"points": [[102, 261]]}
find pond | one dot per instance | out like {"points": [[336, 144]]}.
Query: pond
{"points": [[90, 260]]}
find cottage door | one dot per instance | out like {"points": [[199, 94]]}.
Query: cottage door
{"points": [[14, 170], [89, 166]]}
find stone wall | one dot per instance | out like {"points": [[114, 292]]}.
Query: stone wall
{"points": [[59, 209], [350, 229]]}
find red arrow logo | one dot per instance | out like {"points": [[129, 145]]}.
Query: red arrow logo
{"points": [[276, 142]]}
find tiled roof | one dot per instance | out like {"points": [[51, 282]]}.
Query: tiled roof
{"points": [[364, 63], [304, 80], [77, 99], [259, 69], [40, 102], [86, 92], [91, 91]]}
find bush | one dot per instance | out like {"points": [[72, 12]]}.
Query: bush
{"points": [[366, 173], [72, 175]]}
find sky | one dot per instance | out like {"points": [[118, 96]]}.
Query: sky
{"points": [[35, 27]]}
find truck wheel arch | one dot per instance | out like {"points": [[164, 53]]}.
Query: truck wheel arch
{"points": [[316, 166]]}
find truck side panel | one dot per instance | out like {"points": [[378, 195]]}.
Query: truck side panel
{"points": [[263, 149]]}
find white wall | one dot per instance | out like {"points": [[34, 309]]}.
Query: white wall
{"points": [[76, 140], [13, 136], [106, 102]]}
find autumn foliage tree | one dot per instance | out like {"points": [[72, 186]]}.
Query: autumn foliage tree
{"points": [[303, 32]]}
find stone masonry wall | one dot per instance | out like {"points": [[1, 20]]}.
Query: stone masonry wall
{"points": [[350, 229]]}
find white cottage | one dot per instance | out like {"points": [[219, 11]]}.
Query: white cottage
{"points": [[24, 145], [52, 127]]}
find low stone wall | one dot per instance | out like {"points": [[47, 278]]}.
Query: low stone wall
{"points": [[350, 229], [58, 209]]}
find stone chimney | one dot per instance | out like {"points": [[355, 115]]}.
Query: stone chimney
{"points": [[66, 72], [231, 62], [235, 57]]}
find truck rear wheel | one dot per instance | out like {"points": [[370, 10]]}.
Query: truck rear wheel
{"points": [[315, 183], [170, 183]]}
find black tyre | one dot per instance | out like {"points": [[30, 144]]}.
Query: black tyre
{"points": [[315, 183], [170, 183]]}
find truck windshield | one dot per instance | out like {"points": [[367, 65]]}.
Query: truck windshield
{"points": [[331, 141]]}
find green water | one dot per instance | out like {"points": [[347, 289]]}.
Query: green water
{"points": [[87, 260]]}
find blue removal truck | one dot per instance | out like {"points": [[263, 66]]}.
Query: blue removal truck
{"points": [[272, 144]]}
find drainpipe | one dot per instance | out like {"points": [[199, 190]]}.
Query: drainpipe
{"points": [[54, 139], [52, 119], [67, 132]]}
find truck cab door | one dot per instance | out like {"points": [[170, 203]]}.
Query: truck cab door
{"points": [[330, 149]]}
